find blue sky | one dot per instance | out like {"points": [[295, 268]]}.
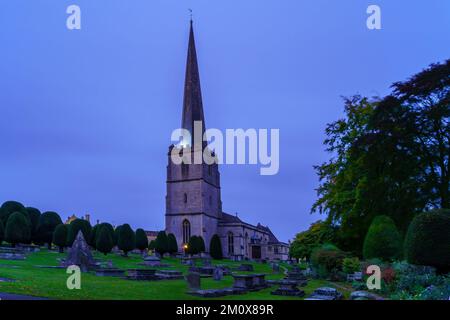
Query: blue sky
{"points": [[86, 115]]}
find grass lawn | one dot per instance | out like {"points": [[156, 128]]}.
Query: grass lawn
{"points": [[51, 283]]}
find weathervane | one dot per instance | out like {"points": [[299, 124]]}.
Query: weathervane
{"points": [[190, 12]]}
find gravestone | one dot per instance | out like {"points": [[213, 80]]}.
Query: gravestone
{"points": [[326, 293], [80, 254], [152, 261], [169, 274], [142, 274], [218, 274], [193, 280], [288, 288], [275, 267], [363, 295], [207, 262]]}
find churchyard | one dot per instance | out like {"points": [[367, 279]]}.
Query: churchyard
{"points": [[40, 275]]}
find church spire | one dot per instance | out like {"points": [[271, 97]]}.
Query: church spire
{"points": [[192, 104]]}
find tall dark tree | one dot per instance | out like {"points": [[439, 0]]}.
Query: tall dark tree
{"points": [[152, 245], [60, 237], [201, 244], [111, 230], [389, 156], [126, 239], [116, 235], [33, 215], [17, 229], [8, 208], [161, 243], [92, 241], [47, 224], [105, 241], [215, 248], [195, 245], [141, 240], [2, 232], [172, 243], [75, 226]]}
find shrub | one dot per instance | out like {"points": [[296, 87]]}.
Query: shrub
{"points": [[104, 242], [92, 241], [33, 215], [382, 240], [319, 232], [215, 248], [195, 245], [351, 265], [141, 240], [75, 226], [2, 232], [327, 260], [116, 235], [8, 208], [152, 245], [17, 229], [60, 237], [127, 239], [47, 225], [172, 243], [201, 244], [161, 243], [428, 240], [388, 275]]}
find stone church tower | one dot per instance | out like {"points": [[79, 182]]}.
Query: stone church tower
{"points": [[193, 202]]}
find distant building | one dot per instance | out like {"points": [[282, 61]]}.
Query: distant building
{"points": [[193, 200], [151, 235], [87, 217]]}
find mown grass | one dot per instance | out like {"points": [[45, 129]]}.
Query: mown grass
{"points": [[51, 283]]}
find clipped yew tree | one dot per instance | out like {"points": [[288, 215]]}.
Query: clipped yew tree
{"points": [[382, 241], [126, 239], [92, 241], [78, 225], [215, 248], [116, 235], [193, 245], [2, 232], [161, 243], [60, 237], [172, 243], [34, 216], [201, 244], [104, 242], [427, 240], [47, 224], [141, 240], [17, 229], [152, 245], [8, 208]]}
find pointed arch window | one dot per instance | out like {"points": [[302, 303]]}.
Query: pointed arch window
{"points": [[186, 231], [230, 243], [185, 198]]}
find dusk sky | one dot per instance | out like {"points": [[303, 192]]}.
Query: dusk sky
{"points": [[86, 115]]}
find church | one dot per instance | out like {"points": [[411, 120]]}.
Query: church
{"points": [[193, 200]]}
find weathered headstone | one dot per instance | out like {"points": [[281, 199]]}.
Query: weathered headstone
{"points": [[275, 267], [152, 261], [288, 288], [193, 280], [80, 254], [326, 293], [218, 274]]}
